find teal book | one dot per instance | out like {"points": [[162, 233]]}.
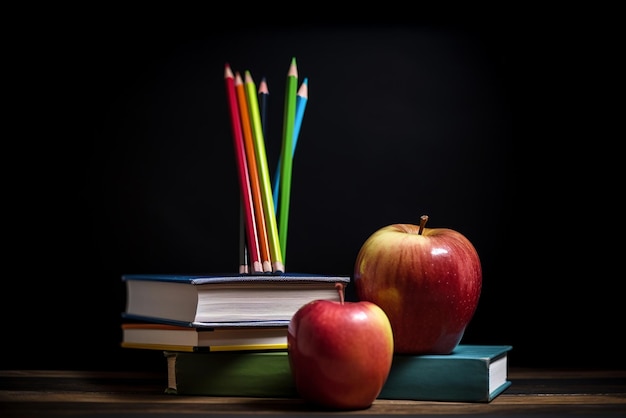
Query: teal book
{"points": [[471, 373]]}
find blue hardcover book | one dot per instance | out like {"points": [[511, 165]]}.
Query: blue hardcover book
{"points": [[214, 300], [471, 373]]}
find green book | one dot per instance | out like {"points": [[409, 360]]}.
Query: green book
{"points": [[262, 374], [471, 373]]}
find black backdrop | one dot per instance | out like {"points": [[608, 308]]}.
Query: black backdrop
{"points": [[123, 162]]}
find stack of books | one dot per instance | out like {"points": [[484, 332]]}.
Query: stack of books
{"points": [[221, 334], [227, 312], [226, 335]]}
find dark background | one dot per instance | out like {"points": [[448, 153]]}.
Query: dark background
{"points": [[120, 160]]}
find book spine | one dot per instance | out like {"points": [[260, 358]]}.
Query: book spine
{"points": [[171, 373]]}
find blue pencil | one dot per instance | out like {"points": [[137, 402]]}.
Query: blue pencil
{"points": [[301, 100]]}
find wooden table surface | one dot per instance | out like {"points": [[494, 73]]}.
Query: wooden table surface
{"points": [[536, 392]]}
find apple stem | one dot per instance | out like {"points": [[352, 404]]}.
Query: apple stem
{"points": [[340, 289], [423, 220]]}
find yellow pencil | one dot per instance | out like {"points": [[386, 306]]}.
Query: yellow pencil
{"points": [[266, 188]]}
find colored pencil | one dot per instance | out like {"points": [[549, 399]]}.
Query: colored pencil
{"points": [[301, 100], [289, 118], [255, 182], [242, 170], [263, 97], [266, 188]]}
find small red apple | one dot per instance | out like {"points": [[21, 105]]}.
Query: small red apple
{"points": [[340, 353], [427, 280]]}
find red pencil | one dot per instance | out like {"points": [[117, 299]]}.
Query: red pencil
{"points": [[242, 169], [253, 170]]}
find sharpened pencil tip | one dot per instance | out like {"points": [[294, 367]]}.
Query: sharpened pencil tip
{"points": [[228, 72], [263, 89], [303, 91], [293, 69]]}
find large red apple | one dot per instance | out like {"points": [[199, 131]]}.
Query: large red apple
{"points": [[427, 280], [340, 353]]}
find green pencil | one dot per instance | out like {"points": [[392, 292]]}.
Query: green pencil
{"points": [[289, 118]]}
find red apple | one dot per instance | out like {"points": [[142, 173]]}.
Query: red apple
{"points": [[427, 280], [340, 353]]}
